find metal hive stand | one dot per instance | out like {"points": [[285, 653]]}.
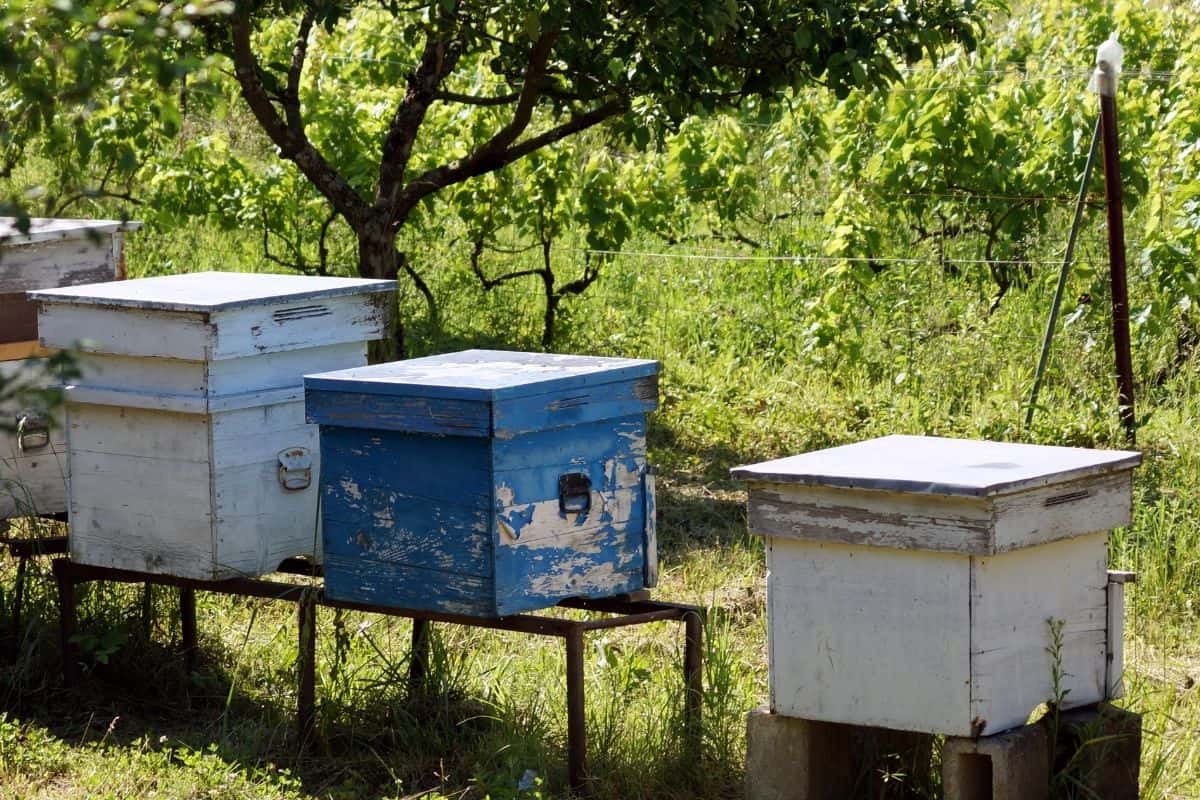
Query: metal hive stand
{"points": [[634, 609]]}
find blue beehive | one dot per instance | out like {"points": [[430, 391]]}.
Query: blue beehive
{"points": [[486, 482]]}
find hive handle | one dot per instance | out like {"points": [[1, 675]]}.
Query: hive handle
{"points": [[574, 493], [33, 431]]}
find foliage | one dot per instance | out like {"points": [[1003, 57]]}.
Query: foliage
{"points": [[86, 87]]}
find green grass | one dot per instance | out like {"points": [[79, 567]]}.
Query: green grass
{"points": [[743, 381]]}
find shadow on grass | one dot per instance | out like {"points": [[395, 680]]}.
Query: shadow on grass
{"points": [[377, 741]]}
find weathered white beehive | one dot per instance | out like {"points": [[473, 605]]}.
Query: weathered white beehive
{"points": [[914, 583], [188, 447], [52, 252]]}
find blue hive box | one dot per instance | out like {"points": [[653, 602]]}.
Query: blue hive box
{"points": [[485, 482]]}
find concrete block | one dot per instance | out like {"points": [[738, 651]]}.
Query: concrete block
{"points": [[1100, 747], [788, 758], [796, 759], [1014, 765]]}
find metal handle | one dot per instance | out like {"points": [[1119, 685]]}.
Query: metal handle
{"points": [[295, 469], [574, 493], [650, 529], [33, 431]]}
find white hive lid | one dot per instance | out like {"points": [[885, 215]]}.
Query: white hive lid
{"points": [[45, 229], [210, 291], [933, 465]]}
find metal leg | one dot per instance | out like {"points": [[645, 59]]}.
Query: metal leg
{"points": [[418, 663], [693, 675], [147, 610], [19, 598], [66, 626], [576, 719], [307, 665], [187, 625]]}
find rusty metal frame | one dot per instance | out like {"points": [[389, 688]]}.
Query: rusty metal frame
{"points": [[24, 549], [635, 609]]}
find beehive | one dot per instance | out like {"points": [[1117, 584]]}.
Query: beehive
{"points": [[936, 585], [52, 252], [188, 447], [485, 482]]}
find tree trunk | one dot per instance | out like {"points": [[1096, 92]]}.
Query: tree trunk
{"points": [[377, 258]]}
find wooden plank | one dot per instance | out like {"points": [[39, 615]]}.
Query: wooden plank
{"points": [[129, 374], [1074, 508], [462, 418], [598, 562], [934, 465], [19, 351], [361, 580], [570, 407], [879, 519], [1013, 595], [18, 319], [318, 322], [486, 375], [277, 369], [155, 334], [211, 292], [43, 229], [259, 523], [444, 469], [402, 529], [527, 499], [869, 636], [1114, 680], [101, 430], [54, 264]]}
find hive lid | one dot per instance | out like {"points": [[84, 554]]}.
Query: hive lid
{"points": [[486, 375], [932, 465], [210, 291], [45, 229]]}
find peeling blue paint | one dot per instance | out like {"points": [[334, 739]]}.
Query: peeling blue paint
{"points": [[449, 501]]}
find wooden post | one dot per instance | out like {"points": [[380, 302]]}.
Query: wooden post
{"points": [[1106, 85]]}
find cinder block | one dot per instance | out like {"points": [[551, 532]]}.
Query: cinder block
{"points": [[797, 759], [1101, 748], [789, 758], [1014, 765]]}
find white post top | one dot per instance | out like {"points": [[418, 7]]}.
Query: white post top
{"points": [[933, 465], [45, 229], [210, 291]]}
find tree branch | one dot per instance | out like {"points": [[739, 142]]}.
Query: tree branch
{"points": [[491, 283], [403, 201], [437, 61], [473, 100], [291, 94], [291, 140], [487, 159]]}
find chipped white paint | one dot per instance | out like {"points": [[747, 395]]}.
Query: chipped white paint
{"points": [[33, 477], [195, 391], [905, 595]]}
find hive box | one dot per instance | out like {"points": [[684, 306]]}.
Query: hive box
{"points": [[486, 483], [912, 581], [52, 252], [188, 447]]}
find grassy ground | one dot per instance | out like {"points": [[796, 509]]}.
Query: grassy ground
{"points": [[745, 379]]}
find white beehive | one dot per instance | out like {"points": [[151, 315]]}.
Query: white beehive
{"points": [[188, 447], [913, 582], [50, 253]]}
